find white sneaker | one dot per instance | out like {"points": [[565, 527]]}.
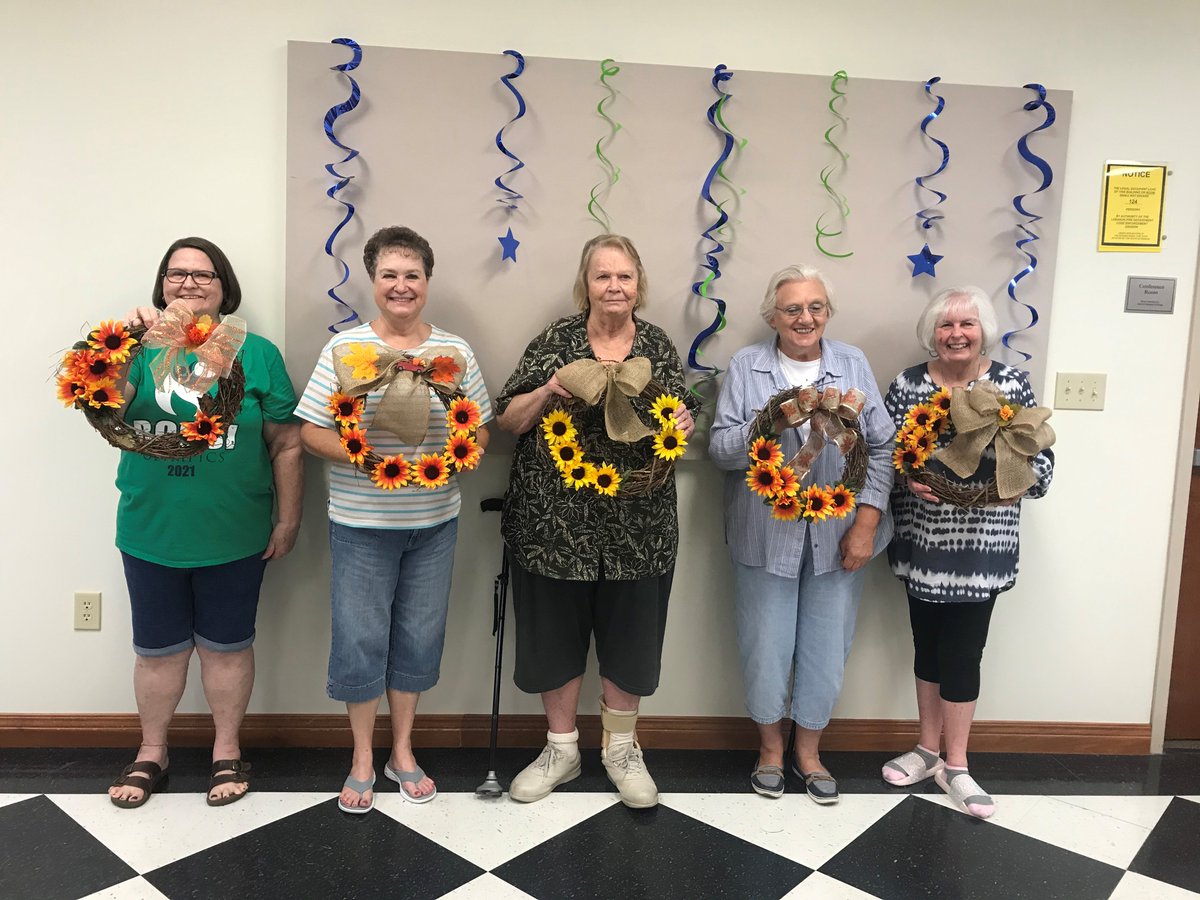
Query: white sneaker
{"points": [[627, 770], [556, 765]]}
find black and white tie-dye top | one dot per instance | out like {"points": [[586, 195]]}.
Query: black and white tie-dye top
{"points": [[950, 554]]}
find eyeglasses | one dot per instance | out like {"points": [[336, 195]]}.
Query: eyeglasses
{"points": [[816, 310], [179, 276]]}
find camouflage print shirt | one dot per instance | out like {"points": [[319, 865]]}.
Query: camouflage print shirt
{"points": [[558, 532]]}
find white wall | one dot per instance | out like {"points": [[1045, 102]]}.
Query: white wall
{"points": [[128, 124]]}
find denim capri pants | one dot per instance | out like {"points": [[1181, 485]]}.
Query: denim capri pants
{"points": [[390, 591], [794, 636]]}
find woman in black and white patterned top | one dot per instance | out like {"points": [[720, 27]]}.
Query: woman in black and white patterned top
{"points": [[954, 561]]}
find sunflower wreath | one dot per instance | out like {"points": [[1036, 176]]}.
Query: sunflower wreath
{"points": [[834, 418], [362, 369], [90, 376], [985, 418], [566, 447]]}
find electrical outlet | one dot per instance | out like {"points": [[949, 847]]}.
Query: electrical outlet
{"points": [[1079, 390], [87, 610]]}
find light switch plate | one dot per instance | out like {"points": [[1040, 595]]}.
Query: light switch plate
{"points": [[1079, 390]]}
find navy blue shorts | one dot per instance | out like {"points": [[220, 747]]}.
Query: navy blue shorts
{"points": [[174, 609]]}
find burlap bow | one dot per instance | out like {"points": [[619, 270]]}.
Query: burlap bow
{"points": [[831, 415], [404, 407], [977, 419], [589, 380], [177, 332]]}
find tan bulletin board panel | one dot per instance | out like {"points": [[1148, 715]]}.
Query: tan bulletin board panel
{"points": [[426, 127]]}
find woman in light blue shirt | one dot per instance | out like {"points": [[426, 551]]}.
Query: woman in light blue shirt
{"points": [[798, 583]]}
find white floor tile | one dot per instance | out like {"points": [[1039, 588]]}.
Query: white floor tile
{"points": [[1142, 811], [1138, 887], [1080, 830], [133, 889], [487, 887], [1010, 808], [1193, 799], [792, 826], [821, 887], [6, 799], [172, 826], [491, 832]]}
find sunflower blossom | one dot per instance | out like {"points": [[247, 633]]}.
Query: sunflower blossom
{"points": [[391, 472], [789, 484], [920, 415], [940, 401], [102, 393], [558, 427], [463, 451], [786, 509], [346, 410], [766, 452], [580, 475], [203, 428], [566, 454], [112, 341], [354, 442], [463, 416], [431, 471], [818, 504], [763, 480], [669, 444], [841, 499], [664, 409], [607, 480]]}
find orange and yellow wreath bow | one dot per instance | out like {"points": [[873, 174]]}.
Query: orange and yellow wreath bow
{"points": [[180, 333]]}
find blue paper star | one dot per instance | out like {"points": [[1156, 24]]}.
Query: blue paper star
{"points": [[924, 262], [510, 244]]}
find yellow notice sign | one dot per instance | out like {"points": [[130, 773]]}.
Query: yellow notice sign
{"points": [[1131, 207]]}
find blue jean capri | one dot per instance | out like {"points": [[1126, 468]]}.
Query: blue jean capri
{"points": [[212, 606], [389, 592]]}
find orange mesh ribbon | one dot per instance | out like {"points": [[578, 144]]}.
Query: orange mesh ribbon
{"points": [[982, 417], [589, 380], [179, 332], [403, 409], [831, 414]]}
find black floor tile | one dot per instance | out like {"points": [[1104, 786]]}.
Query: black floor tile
{"points": [[44, 853], [922, 849], [1170, 852], [658, 852], [319, 852], [1173, 772]]}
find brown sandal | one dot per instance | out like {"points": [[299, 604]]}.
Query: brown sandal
{"points": [[234, 773], [135, 775]]}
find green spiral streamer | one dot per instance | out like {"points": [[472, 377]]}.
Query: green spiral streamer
{"points": [[839, 165], [608, 68], [726, 230]]}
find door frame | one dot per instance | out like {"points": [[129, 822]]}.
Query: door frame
{"points": [[1178, 527]]}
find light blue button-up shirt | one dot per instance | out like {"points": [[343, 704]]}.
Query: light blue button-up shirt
{"points": [[754, 538]]}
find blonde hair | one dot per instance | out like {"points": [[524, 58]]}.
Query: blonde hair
{"points": [[618, 242]]}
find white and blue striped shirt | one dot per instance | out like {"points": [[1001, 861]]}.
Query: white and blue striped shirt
{"points": [[354, 500], [754, 538]]}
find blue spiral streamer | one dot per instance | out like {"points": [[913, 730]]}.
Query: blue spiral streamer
{"points": [[926, 219], [511, 197], [342, 180], [711, 262], [1019, 204]]}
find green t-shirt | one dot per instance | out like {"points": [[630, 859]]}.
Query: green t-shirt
{"points": [[217, 506]]}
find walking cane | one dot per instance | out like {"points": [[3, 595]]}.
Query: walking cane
{"points": [[491, 785]]}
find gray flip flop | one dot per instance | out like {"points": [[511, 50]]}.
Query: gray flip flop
{"points": [[412, 777], [362, 787]]}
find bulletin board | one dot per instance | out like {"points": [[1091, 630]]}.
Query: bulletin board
{"points": [[426, 126]]}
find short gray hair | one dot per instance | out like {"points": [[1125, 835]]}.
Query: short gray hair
{"points": [[789, 274], [936, 308]]}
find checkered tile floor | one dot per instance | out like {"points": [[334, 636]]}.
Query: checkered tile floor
{"points": [[1066, 826]]}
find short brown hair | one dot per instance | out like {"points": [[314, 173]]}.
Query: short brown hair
{"points": [[397, 237], [231, 291]]}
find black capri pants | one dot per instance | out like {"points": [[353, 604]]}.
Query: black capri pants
{"points": [[948, 639]]}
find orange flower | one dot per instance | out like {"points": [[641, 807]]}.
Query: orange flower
{"points": [[70, 389], [1006, 413], [102, 393], [940, 402], [391, 472], [917, 438], [841, 499], [818, 503], [203, 428], [920, 415], [89, 365], [766, 452], [431, 471], [354, 442], [905, 459], [786, 509], [462, 451], [763, 480], [443, 369], [463, 416], [789, 484], [346, 410], [199, 330], [939, 425], [111, 341]]}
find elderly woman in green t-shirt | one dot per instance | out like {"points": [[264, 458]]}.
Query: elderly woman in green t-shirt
{"points": [[195, 535]]}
